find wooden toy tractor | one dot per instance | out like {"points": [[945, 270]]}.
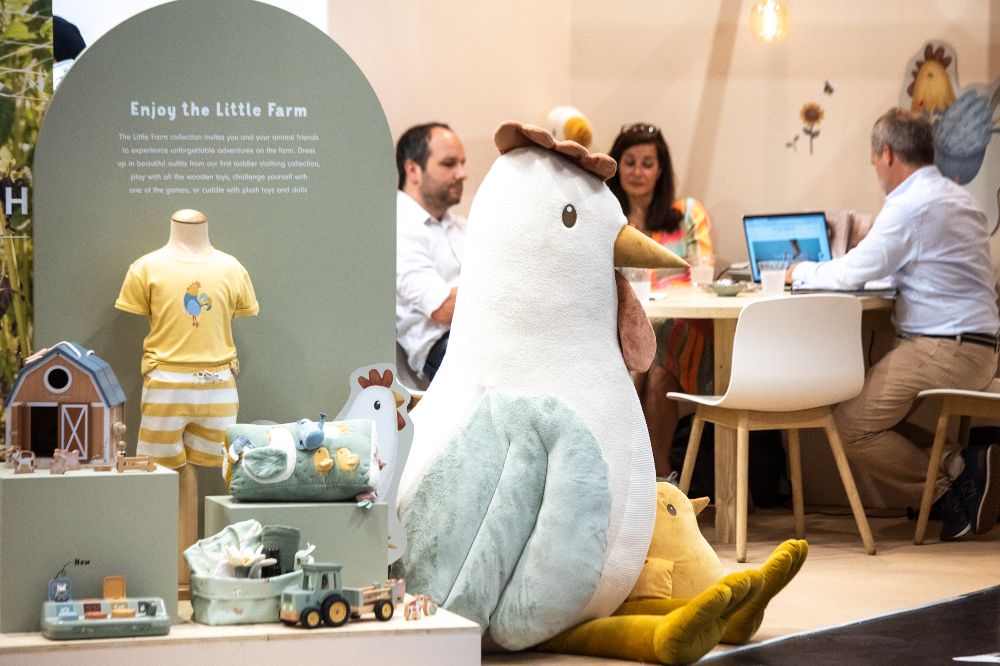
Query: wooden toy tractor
{"points": [[323, 599]]}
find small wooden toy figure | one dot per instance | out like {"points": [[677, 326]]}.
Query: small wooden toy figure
{"points": [[58, 464], [24, 462], [412, 609], [109, 463], [429, 606], [419, 606], [190, 291], [142, 463], [64, 461], [10, 455]]}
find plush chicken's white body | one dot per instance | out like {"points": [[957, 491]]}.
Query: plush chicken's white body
{"points": [[537, 315]]}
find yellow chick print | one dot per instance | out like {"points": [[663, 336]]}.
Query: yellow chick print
{"points": [[346, 461], [322, 461]]}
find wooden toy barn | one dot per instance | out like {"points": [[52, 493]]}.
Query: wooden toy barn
{"points": [[65, 397]]}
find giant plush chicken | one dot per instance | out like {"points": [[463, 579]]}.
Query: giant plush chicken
{"points": [[529, 494]]}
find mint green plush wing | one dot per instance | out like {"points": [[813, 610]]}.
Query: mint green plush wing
{"points": [[509, 527]]}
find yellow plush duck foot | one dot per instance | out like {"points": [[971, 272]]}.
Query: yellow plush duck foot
{"points": [[782, 565], [666, 631], [322, 460]]}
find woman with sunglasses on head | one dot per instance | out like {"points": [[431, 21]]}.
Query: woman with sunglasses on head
{"points": [[645, 186]]}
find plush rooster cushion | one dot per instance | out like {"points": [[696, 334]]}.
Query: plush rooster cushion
{"points": [[267, 463]]}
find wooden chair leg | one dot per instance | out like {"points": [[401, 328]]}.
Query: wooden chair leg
{"points": [[848, 480], [937, 452], [742, 487], [694, 441], [795, 472]]}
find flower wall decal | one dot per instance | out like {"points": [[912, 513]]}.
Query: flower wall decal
{"points": [[811, 115]]}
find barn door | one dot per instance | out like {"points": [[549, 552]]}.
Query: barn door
{"points": [[73, 429]]}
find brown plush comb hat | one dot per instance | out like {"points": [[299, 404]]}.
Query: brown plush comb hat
{"points": [[511, 135]]}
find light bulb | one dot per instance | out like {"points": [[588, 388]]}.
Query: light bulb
{"points": [[769, 20]]}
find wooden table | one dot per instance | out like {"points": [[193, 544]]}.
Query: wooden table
{"points": [[686, 302]]}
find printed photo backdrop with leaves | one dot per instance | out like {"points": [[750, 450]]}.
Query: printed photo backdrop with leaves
{"points": [[25, 89]]}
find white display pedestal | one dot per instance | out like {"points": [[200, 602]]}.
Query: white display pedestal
{"points": [[343, 532], [443, 638], [101, 523]]}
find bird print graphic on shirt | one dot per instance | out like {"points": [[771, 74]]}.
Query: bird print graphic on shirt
{"points": [[194, 302]]}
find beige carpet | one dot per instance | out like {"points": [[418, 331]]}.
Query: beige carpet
{"points": [[839, 583]]}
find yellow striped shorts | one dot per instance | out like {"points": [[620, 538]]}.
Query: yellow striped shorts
{"points": [[185, 415]]}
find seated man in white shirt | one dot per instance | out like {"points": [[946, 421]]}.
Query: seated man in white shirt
{"points": [[430, 160], [933, 241]]}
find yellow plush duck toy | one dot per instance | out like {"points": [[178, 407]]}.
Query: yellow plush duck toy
{"points": [[681, 605]]}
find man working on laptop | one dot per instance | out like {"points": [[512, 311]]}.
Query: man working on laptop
{"points": [[932, 240]]}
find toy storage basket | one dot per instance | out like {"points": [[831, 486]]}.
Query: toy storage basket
{"points": [[239, 600]]}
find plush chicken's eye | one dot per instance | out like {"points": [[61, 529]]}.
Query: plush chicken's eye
{"points": [[569, 215], [671, 510], [378, 404]]}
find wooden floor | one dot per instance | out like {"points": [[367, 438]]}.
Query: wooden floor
{"points": [[838, 582]]}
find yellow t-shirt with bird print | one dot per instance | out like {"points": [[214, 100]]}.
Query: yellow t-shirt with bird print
{"points": [[190, 301]]}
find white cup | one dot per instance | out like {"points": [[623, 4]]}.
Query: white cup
{"points": [[772, 278], [639, 280], [702, 271]]}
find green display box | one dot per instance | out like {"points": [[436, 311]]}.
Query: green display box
{"points": [[342, 532], [100, 523]]}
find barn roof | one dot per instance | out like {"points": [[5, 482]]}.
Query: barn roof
{"points": [[104, 377]]}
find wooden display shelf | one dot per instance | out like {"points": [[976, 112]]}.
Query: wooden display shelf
{"points": [[440, 638]]}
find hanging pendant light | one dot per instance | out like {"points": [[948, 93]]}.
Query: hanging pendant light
{"points": [[769, 20]]}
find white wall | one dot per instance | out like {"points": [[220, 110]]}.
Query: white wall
{"points": [[469, 64], [93, 18], [726, 103]]}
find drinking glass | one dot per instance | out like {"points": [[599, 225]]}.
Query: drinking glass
{"points": [[702, 270], [639, 280], [772, 277]]}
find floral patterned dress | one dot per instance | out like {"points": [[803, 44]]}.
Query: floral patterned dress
{"points": [[684, 346]]}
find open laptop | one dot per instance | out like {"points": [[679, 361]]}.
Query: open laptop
{"points": [[794, 237], [791, 237]]}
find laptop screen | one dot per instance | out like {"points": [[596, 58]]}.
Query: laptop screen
{"points": [[791, 237]]}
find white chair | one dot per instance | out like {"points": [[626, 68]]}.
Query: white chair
{"points": [[793, 358], [964, 404]]}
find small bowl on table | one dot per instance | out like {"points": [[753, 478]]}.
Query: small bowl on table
{"points": [[726, 287]]}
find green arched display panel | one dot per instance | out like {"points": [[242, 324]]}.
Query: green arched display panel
{"points": [[259, 120]]}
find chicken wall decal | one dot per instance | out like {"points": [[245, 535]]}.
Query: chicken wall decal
{"points": [[194, 302], [963, 118], [931, 90], [529, 494]]}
